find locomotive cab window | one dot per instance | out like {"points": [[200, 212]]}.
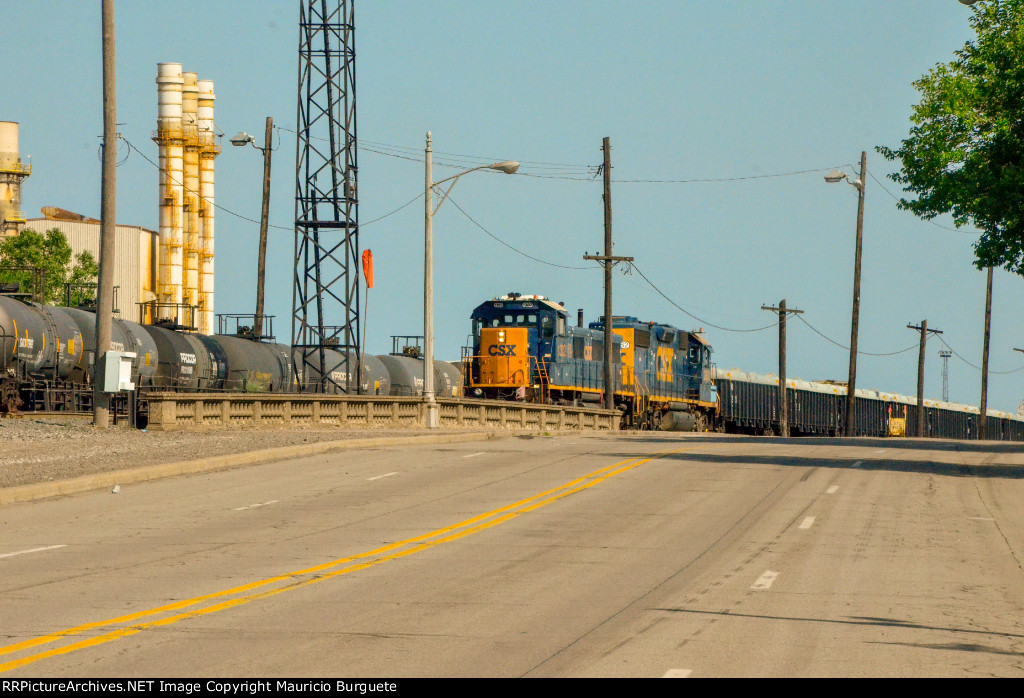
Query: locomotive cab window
{"points": [[547, 327]]}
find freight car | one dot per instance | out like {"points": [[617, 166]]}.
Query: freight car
{"points": [[47, 355], [750, 405], [522, 348]]}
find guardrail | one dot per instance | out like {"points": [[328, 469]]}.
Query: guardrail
{"points": [[184, 411]]}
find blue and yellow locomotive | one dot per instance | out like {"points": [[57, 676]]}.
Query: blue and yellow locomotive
{"points": [[523, 348]]}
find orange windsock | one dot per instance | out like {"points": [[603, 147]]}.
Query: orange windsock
{"points": [[368, 268]]}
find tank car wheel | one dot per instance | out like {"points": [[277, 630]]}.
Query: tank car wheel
{"points": [[9, 400]]}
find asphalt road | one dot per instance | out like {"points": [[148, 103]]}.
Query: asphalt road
{"points": [[549, 556]]}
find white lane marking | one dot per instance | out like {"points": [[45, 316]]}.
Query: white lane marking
{"points": [[857, 464], [832, 490], [677, 673], [881, 450], [33, 550], [807, 522], [980, 518], [257, 506], [764, 581], [380, 476], [478, 453]]}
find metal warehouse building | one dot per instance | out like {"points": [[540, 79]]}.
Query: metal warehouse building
{"points": [[134, 258]]}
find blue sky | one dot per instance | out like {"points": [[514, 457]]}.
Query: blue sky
{"points": [[685, 90]]}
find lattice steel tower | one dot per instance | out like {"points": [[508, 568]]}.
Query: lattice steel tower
{"points": [[945, 373], [326, 286]]}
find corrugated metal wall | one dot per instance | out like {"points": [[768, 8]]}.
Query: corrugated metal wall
{"points": [[134, 258]]}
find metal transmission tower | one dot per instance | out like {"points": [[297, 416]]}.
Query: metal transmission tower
{"points": [[326, 203], [945, 374]]}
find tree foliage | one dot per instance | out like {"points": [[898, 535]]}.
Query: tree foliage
{"points": [[50, 253], [965, 152]]}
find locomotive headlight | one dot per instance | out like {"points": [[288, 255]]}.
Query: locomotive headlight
{"points": [[501, 335], [478, 392]]}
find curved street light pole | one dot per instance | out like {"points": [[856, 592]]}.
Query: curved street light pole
{"points": [[241, 140], [433, 417], [851, 385]]}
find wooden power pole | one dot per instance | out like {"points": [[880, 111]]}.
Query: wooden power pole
{"points": [[108, 221], [609, 261], [783, 402], [923, 329], [984, 357]]}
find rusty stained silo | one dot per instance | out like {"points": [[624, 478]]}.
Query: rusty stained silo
{"points": [[188, 145], [170, 141], [12, 172], [208, 150]]}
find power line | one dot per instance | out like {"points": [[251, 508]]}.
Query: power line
{"points": [[974, 366], [860, 353], [931, 222], [517, 251], [246, 218], [688, 313]]}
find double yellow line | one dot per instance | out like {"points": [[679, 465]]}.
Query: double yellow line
{"points": [[246, 593]]}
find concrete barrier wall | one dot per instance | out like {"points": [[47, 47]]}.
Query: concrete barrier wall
{"points": [[173, 411]]}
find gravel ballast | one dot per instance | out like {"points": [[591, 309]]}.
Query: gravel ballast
{"points": [[36, 449]]}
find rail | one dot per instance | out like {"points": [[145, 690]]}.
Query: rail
{"points": [[183, 411]]}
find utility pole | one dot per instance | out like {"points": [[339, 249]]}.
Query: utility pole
{"points": [[108, 219], [851, 385], [984, 357], [608, 261], [261, 270], [923, 329], [944, 355], [783, 403]]}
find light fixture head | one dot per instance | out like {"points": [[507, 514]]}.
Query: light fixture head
{"points": [[835, 176], [508, 167], [242, 138]]}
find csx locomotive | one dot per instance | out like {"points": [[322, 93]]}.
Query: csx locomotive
{"points": [[523, 348]]}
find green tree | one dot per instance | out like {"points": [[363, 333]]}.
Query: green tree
{"points": [[50, 253], [965, 152]]}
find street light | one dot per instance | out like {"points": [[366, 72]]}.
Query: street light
{"points": [[508, 167], [241, 140], [834, 177]]}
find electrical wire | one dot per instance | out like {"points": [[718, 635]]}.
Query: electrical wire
{"points": [[1015, 370], [688, 313], [517, 251], [132, 146], [931, 222], [859, 352], [702, 180]]}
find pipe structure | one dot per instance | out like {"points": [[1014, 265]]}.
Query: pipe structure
{"points": [[190, 204], [208, 150], [12, 172], [170, 140]]}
